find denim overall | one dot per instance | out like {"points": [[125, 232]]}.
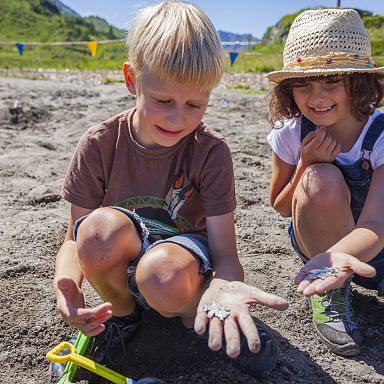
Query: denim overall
{"points": [[358, 177]]}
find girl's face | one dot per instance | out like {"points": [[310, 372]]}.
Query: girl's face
{"points": [[324, 101]]}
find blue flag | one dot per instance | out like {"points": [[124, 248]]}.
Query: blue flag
{"points": [[233, 56], [20, 47]]}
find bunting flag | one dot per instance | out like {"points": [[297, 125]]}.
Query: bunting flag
{"points": [[233, 57], [92, 45], [20, 48]]}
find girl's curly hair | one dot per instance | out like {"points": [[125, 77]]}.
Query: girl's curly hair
{"points": [[365, 90]]}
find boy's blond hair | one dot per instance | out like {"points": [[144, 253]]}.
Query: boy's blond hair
{"points": [[178, 42]]}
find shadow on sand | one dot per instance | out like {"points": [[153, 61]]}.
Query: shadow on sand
{"points": [[162, 348]]}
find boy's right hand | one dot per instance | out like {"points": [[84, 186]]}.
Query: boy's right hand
{"points": [[70, 304], [319, 147]]}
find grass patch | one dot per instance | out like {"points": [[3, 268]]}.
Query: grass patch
{"points": [[109, 80], [248, 62], [28, 77], [247, 89], [240, 86]]}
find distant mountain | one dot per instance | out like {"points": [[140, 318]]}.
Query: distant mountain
{"points": [[229, 36], [63, 8]]}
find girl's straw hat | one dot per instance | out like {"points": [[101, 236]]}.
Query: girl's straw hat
{"points": [[326, 42]]}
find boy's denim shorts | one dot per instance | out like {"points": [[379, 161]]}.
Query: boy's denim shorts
{"points": [[193, 242], [375, 283]]}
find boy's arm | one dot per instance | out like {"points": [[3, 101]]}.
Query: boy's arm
{"points": [[364, 243], [222, 246], [66, 264], [227, 289], [67, 285]]}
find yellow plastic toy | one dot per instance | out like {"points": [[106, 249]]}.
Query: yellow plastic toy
{"points": [[84, 362]]}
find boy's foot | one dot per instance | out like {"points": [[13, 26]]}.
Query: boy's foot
{"points": [[332, 315], [261, 363], [254, 364], [109, 347]]}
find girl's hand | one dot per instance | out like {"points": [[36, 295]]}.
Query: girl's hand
{"points": [[70, 304], [236, 297], [346, 264], [319, 147]]}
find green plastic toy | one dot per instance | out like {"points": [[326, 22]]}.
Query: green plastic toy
{"points": [[75, 358]]}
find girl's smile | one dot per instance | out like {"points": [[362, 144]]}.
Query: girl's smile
{"points": [[325, 102], [320, 110]]}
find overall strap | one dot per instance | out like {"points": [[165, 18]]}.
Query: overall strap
{"points": [[373, 133], [306, 127]]}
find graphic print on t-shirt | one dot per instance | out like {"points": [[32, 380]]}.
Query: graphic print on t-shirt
{"points": [[178, 194], [160, 215]]}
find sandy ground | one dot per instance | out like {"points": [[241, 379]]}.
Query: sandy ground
{"points": [[40, 123]]}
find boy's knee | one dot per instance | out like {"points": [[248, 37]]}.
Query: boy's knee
{"points": [[323, 185], [165, 282], [103, 237]]}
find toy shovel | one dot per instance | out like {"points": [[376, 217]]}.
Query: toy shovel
{"points": [[92, 366]]}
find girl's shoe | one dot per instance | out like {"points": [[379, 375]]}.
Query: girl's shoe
{"points": [[333, 318]]}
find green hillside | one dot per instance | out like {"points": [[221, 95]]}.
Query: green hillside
{"points": [[38, 20]]}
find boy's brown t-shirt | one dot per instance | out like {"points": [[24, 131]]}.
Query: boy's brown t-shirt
{"points": [[173, 189]]}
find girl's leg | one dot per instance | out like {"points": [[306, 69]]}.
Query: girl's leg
{"points": [[321, 217], [169, 279], [107, 241], [321, 209]]}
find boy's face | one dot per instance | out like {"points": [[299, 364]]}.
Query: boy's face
{"points": [[325, 102], [165, 112]]}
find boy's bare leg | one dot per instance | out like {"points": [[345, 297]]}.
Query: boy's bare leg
{"points": [[107, 240], [321, 209], [169, 279]]}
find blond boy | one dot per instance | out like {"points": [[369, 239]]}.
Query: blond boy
{"points": [[152, 197]]}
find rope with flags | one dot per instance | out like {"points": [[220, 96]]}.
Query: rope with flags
{"points": [[92, 45]]}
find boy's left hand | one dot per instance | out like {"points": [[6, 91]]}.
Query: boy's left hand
{"points": [[236, 297]]}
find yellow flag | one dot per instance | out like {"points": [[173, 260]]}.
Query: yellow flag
{"points": [[92, 45]]}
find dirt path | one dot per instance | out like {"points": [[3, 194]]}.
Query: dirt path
{"points": [[40, 124]]}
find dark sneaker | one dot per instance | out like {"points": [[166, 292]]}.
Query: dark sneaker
{"points": [[109, 347], [332, 315], [254, 364], [261, 363]]}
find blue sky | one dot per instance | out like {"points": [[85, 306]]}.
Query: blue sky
{"points": [[237, 16]]}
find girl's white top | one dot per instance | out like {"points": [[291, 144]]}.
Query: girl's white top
{"points": [[285, 142]]}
